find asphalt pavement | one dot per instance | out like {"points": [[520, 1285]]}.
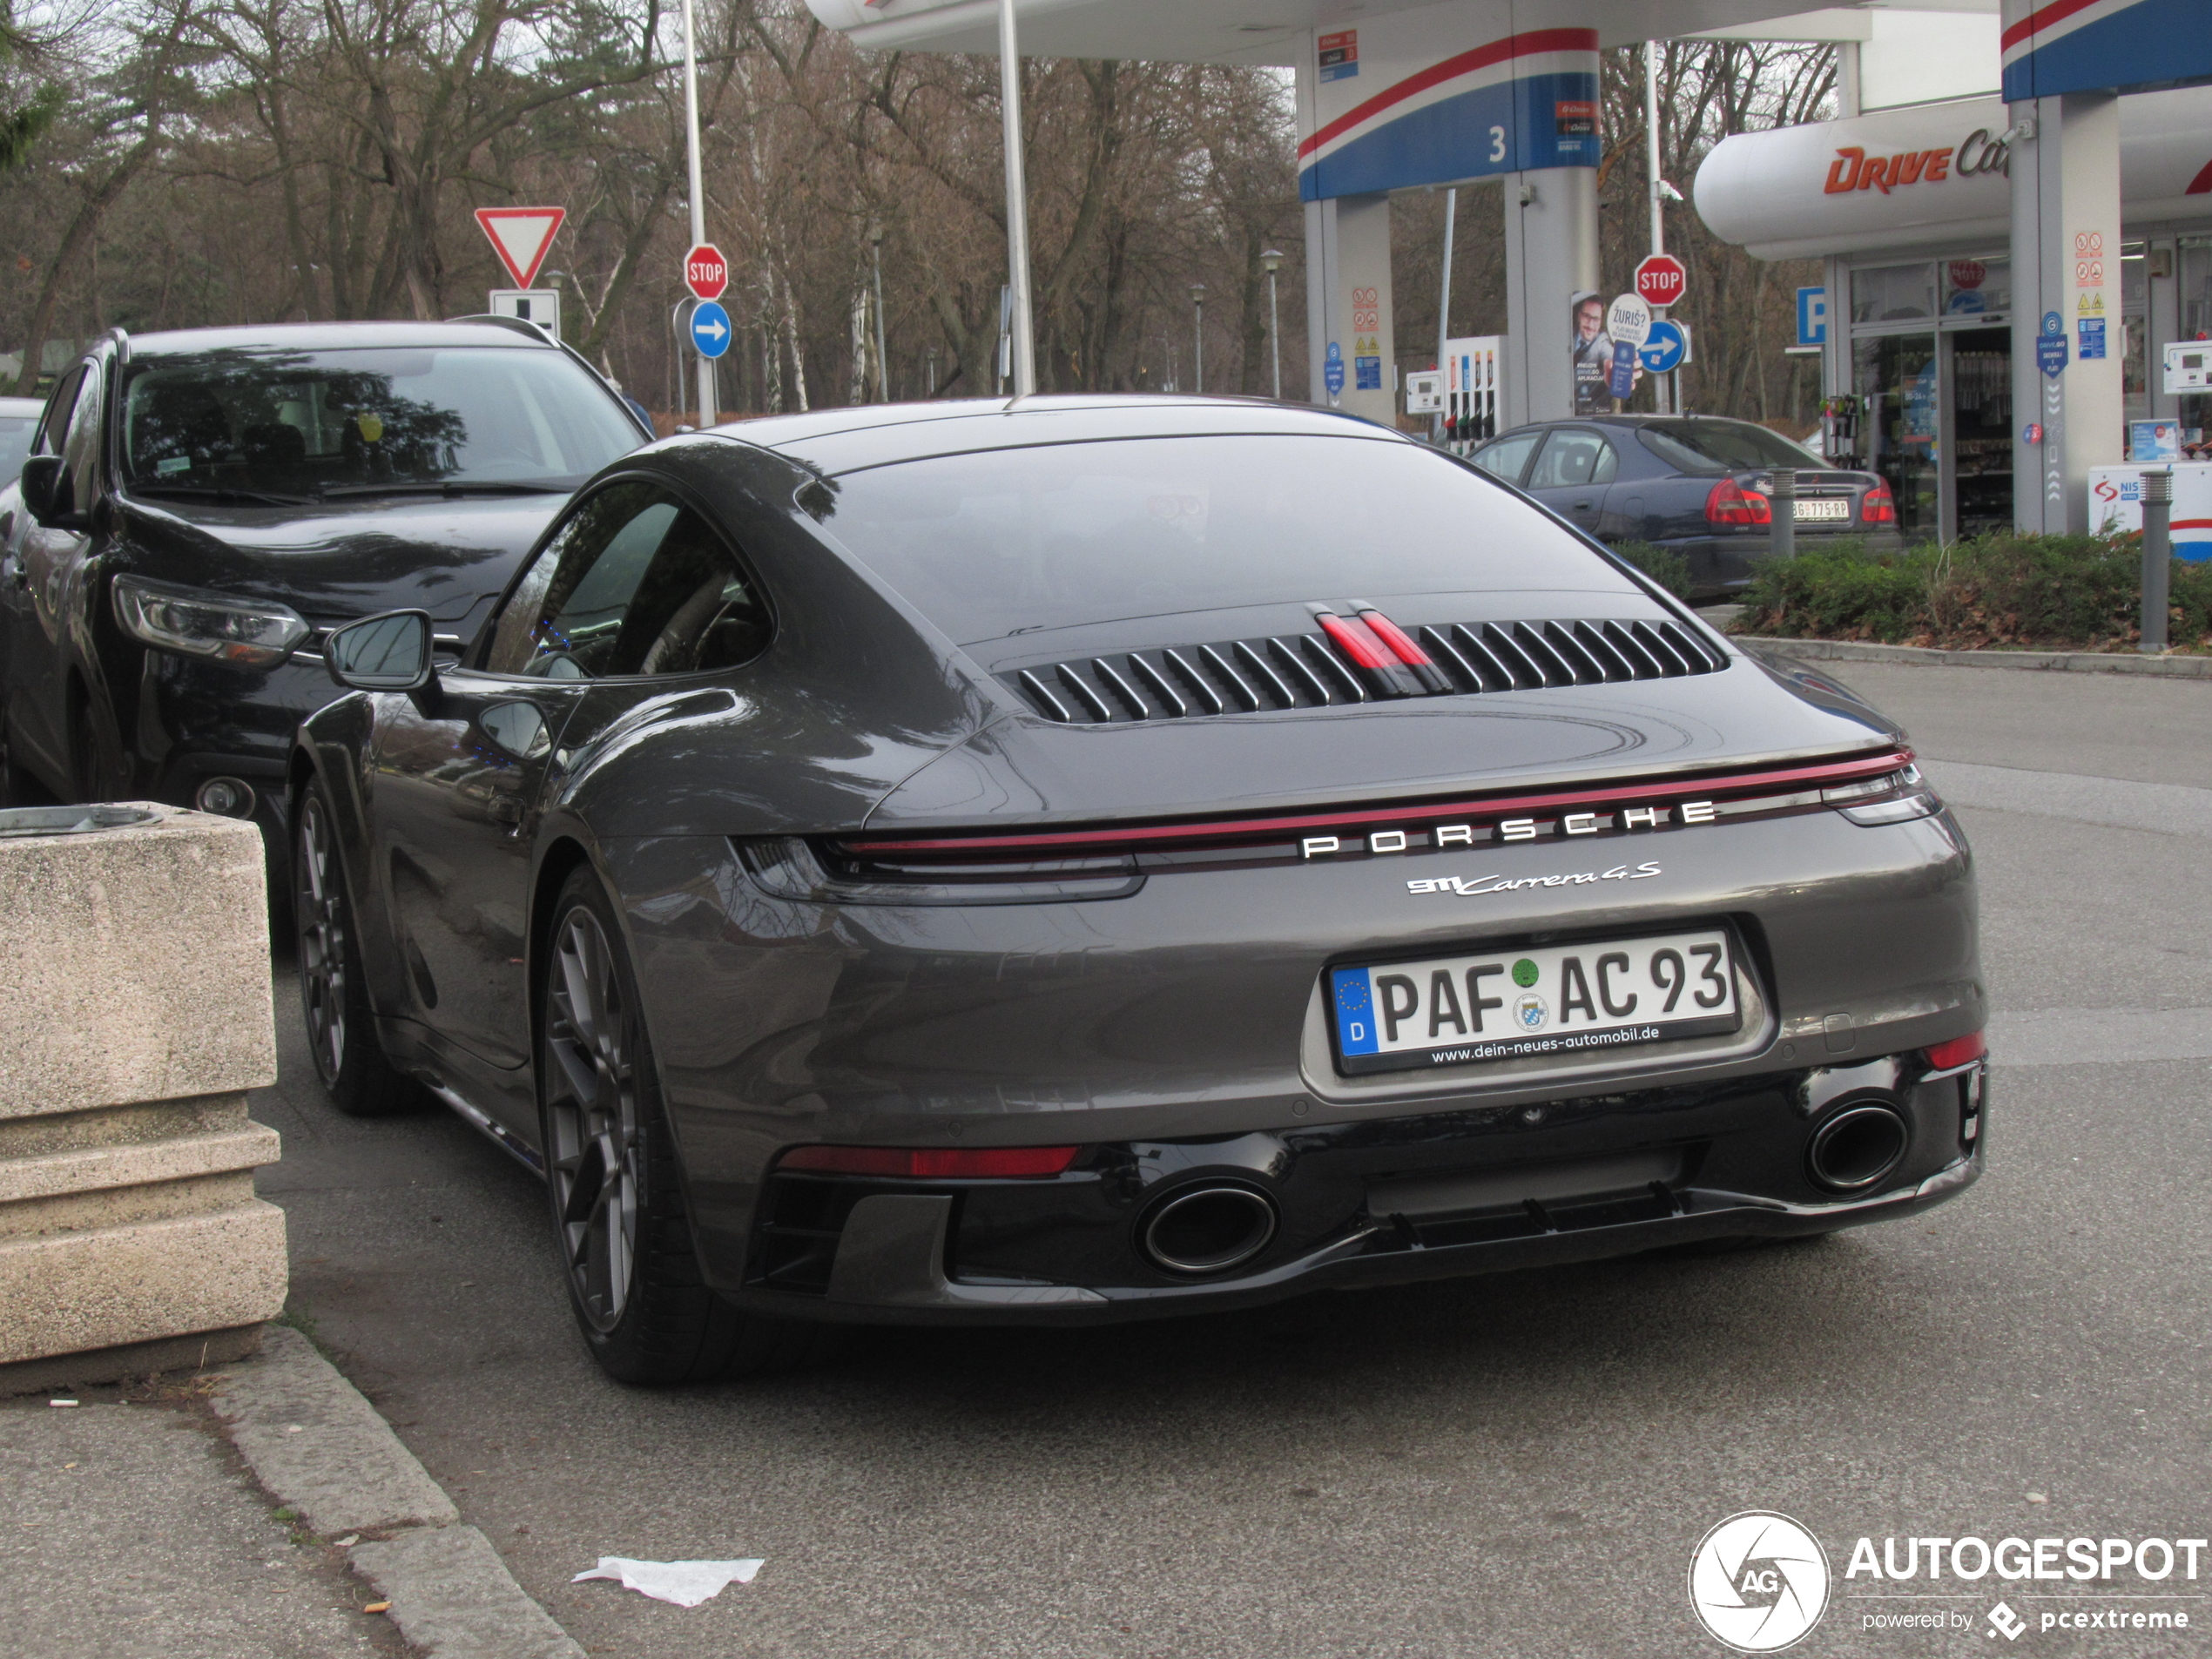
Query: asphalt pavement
{"points": [[1514, 1465]]}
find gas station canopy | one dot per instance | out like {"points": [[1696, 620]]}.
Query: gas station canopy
{"points": [[1236, 31]]}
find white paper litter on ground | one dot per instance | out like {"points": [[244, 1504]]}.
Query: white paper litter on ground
{"points": [[686, 1583]]}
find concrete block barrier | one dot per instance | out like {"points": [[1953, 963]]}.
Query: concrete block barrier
{"points": [[134, 1016]]}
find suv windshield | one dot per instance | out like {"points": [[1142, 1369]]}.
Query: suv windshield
{"points": [[1722, 446], [16, 434], [301, 425], [990, 543]]}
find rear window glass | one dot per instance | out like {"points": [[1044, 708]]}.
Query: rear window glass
{"points": [[1722, 446], [1011, 540]]}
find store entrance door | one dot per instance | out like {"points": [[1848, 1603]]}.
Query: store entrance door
{"points": [[1898, 382], [1976, 451]]}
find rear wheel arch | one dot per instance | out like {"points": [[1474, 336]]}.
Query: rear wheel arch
{"points": [[563, 856]]}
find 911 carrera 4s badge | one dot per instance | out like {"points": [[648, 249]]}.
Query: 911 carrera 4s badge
{"points": [[1572, 998], [1480, 884]]}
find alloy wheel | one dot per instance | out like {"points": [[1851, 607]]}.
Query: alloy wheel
{"points": [[591, 1116], [322, 942]]}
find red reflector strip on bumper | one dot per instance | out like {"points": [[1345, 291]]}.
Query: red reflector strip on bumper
{"points": [[931, 1163], [1957, 1052]]}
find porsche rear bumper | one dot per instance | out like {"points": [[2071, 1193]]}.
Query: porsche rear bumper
{"points": [[1070, 1249]]}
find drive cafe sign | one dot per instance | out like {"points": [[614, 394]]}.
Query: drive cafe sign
{"points": [[1977, 152], [1933, 178]]}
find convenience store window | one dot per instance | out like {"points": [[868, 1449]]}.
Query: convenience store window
{"points": [[1893, 293], [2135, 333], [1976, 287], [2193, 270]]}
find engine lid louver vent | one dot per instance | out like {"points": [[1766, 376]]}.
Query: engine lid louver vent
{"points": [[1302, 671]]}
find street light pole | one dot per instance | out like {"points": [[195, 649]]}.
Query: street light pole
{"points": [[1271, 260], [699, 190], [1661, 385], [1443, 304], [1198, 337], [1017, 208]]}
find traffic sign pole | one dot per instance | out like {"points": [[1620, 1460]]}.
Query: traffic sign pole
{"points": [[707, 412]]}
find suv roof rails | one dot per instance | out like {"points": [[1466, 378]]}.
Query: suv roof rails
{"points": [[512, 325]]}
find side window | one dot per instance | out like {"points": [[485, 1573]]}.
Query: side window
{"points": [[634, 583], [1572, 456], [81, 446], [1508, 456], [54, 424]]}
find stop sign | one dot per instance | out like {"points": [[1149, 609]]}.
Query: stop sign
{"points": [[705, 272], [1661, 279]]}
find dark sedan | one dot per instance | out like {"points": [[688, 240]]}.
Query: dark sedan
{"points": [[1697, 485], [1088, 858], [203, 506]]}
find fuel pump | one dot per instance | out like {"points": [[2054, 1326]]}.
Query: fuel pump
{"points": [[1470, 391]]}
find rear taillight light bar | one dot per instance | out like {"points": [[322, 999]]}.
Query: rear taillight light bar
{"points": [[1385, 820], [1728, 502]]}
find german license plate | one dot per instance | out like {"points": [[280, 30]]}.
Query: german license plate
{"points": [[1815, 509], [1566, 1001]]}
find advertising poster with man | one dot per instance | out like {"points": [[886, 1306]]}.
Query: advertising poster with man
{"points": [[1593, 354]]}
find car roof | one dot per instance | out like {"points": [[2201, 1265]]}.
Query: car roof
{"points": [[341, 336], [1609, 419], [21, 405], [838, 440]]}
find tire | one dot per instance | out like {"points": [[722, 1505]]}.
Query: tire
{"points": [[96, 766], [617, 1205], [334, 992]]}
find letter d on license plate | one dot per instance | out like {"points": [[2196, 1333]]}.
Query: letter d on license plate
{"points": [[1566, 1000]]}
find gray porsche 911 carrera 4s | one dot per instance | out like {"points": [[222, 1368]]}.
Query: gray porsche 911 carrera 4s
{"points": [[1092, 858]]}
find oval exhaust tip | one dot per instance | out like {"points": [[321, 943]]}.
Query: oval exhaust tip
{"points": [[1857, 1147], [1208, 1229]]}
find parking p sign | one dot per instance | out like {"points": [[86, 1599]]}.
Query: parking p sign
{"points": [[1812, 316]]}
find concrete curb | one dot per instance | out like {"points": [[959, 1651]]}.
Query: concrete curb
{"points": [[319, 1447], [2074, 662], [451, 1595]]}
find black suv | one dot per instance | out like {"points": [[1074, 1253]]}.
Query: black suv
{"points": [[199, 509], [1697, 484]]}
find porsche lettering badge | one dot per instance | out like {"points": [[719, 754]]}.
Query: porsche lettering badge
{"points": [[1510, 829]]}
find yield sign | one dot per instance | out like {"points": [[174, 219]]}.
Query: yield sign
{"points": [[520, 237]]}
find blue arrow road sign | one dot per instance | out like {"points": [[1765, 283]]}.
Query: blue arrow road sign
{"points": [[1662, 350], [1332, 369], [710, 328]]}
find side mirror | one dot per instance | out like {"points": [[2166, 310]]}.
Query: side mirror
{"points": [[390, 652], [46, 492]]}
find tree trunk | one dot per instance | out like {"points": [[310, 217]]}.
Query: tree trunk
{"points": [[82, 230]]}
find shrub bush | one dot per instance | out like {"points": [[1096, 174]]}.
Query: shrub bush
{"points": [[2075, 592], [1662, 564]]}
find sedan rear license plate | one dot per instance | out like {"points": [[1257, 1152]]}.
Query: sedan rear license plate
{"points": [[1564, 999], [1815, 509]]}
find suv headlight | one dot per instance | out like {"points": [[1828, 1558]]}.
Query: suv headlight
{"points": [[250, 634]]}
